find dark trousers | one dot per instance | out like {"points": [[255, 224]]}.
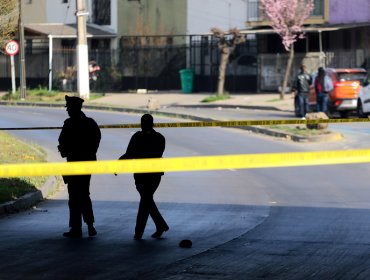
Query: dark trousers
{"points": [[146, 185], [322, 102], [303, 103], [79, 201]]}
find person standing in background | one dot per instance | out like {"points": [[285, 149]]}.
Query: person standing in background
{"points": [[323, 85], [301, 87]]}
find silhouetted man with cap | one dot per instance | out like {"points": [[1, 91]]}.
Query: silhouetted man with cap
{"points": [[147, 143], [79, 141]]}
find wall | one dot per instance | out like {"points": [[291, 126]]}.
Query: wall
{"points": [[54, 11], [34, 12], [179, 17], [151, 17], [58, 12], [49, 11], [225, 14], [343, 11]]}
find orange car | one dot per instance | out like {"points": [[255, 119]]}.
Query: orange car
{"points": [[347, 84]]}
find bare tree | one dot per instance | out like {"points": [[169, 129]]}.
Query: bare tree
{"points": [[8, 20], [227, 41], [287, 18]]}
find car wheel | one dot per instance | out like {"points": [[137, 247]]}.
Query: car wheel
{"points": [[343, 114], [360, 110]]}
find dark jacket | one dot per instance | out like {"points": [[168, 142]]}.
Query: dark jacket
{"points": [[303, 82], [79, 139], [150, 144]]}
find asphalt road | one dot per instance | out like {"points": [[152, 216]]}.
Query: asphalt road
{"points": [[285, 223]]}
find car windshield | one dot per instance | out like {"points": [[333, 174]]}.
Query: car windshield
{"points": [[343, 76]]}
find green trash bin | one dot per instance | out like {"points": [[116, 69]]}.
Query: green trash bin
{"points": [[187, 76]]}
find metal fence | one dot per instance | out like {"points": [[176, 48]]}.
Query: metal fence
{"points": [[150, 62], [154, 63]]}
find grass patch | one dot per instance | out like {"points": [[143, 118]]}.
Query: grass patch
{"points": [[44, 95], [273, 100], [14, 150], [300, 131], [214, 98]]}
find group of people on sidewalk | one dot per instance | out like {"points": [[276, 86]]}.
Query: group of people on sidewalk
{"points": [[79, 141], [301, 86]]}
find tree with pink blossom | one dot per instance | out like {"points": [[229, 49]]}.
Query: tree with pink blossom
{"points": [[287, 18]]}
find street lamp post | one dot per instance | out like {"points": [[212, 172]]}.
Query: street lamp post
{"points": [[22, 66], [83, 87]]}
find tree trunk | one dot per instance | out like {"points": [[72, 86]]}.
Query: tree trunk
{"points": [[222, 71], [287, 72]]}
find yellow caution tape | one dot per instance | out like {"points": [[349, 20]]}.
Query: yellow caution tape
{"points": [[200, 163], [211, 123]]}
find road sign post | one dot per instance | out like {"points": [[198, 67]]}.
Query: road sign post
{"points": [[12, 48]]}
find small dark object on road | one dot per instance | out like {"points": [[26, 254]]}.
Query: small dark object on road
{"points": [[185, 243]]}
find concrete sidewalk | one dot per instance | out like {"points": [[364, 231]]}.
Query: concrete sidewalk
{"points": [[174, 99], [190, 106]]}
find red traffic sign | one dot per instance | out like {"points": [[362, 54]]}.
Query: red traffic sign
{"points": [[12, 47]]}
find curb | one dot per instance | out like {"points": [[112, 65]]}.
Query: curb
{"points": [[23, 203], [227, 106], [30, 199], [329, 137]]}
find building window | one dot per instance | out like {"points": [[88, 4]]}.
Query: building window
{"points": [[318, 9], [29, 44], [101, 12], [68, 43], [102, 44], [65, 1], [253, 10], [347, 39]]}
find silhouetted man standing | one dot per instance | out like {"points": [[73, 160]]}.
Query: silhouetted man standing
{"points": [[79, 141], [147, 143]]}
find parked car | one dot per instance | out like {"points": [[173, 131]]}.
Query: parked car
{"points": [[343, 98], [363, 102]]}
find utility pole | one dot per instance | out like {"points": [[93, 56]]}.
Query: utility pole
{"points": [[83, 88], [22, 66]]}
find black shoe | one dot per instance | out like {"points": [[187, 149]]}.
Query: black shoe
{"points": [[73, 233], [159, 233], [92, 231], [138, 237]]}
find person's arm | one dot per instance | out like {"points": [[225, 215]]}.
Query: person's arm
{"points": [[294, 84], [310, 79], [161, 146], [328, 84], [96, 136], [316, 85], [130, 151], [62, 147]]}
